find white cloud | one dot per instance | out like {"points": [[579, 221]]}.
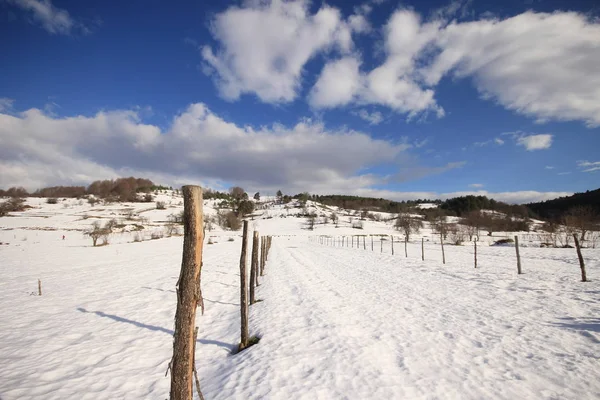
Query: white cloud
{"points": [[537, 64], [374, 118], [476, 185], [548, 167], [418, 144], [535, 142], [588, 166], [264, 45], [52, 19], [496, 141], [38, 149], [337, 85], [564, 173]]}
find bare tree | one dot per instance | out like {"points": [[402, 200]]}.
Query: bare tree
{"points": [[408, 225], [96, 231]]}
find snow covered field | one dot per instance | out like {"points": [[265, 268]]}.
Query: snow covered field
{"points": [[335, 323]]}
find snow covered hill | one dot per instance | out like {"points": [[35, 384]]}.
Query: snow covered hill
{"points": [[335, 322]]}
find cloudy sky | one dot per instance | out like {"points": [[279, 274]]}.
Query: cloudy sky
{"points": [[380, 98]]}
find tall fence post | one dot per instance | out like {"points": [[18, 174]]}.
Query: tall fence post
{"points": [[518, 255], [254, 267], [392, 237], [243, 291], [365, 242], [406, 246], [188, 296], [381, 244], [423, 249], [581, 263], [475, 243], [443, 254], [39, 287], [371, 242]]}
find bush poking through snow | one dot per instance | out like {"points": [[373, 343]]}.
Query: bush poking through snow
{"points": [[96, 231], [52, 200], [12, 205], [156, 235], [160, 205]]}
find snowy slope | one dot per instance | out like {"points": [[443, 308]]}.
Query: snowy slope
{"points": [[335, 323]]}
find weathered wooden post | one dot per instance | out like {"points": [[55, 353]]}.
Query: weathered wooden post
{"points": [[475, 243], [581, 263], [392, 236], [39, 287], [518, 256], [381, 244], [243, 291], [406, 246], [364, 242], [442, 243], [254, 267], [188, 296], [371, 242], [423, 249]]}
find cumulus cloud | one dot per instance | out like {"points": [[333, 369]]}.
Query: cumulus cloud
{"points": [[535, 142], [587, 166], [536, 64], [476, 185], [374, 118], [51, 18], [337, 85], [264, 45], [39, 149]]}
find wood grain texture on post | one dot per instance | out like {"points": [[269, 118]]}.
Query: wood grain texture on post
{"points": [[254, 267], [244, 291], [518, 256], [579, 255], [188, 295]]}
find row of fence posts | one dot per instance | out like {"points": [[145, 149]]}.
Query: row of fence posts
{"points": [[257, 267], [344, 241], [189, 293]]}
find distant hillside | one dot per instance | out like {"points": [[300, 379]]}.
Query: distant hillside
{"points": [[555, 209]]}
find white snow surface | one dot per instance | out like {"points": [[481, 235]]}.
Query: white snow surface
{"points": [[335, 322]]}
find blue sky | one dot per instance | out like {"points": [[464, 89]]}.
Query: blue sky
{"points": [[379, 98]]}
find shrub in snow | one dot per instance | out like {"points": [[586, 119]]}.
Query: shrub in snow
{"points": [[52, 200], [160, 205]]}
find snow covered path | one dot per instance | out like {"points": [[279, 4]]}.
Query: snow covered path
{"points": [[357, 324]]}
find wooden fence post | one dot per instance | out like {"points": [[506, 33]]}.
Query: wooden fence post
{"points": [[475, 243], [371, 242], [443, 254], [381, 244], [581, 263], [518, 256], [392, 236], [365, 242], [254, 267], [188, 296], [244, 291], [406, 246], [423, 249], [39, 287]]}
